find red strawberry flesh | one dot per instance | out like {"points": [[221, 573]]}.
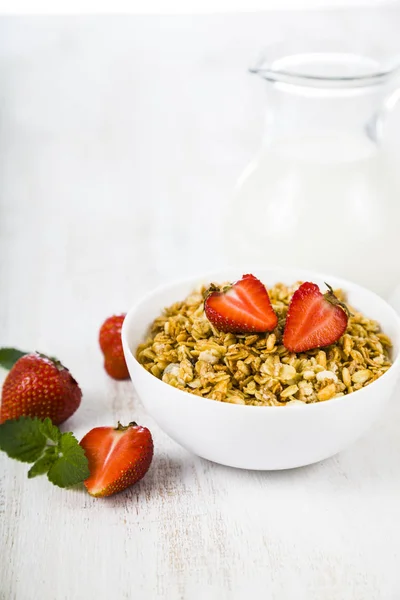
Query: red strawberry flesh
{"points": [[117, 458], [245, 307], [314, 320]]}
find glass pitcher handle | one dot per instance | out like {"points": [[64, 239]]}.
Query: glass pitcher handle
{"points": [[375, 125]]}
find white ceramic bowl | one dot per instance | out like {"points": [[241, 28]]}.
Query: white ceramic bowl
{"points": [[260, 437]]}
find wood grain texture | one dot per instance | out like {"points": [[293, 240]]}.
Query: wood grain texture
{"points": [[121, 138]]}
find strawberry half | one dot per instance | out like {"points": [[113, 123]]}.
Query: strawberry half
{"points": [[117, 457], [243, 307], [314, 319]]}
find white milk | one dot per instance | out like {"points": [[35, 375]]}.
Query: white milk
{"points": [[324, 202]]}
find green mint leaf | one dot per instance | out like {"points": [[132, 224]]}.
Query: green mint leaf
{"points": [[40, 442], [50, 431], [22, 439], [44, 463], [9, 356], [71, 466]]}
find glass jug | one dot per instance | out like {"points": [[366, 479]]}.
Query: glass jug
{"points": [[322, 193]]}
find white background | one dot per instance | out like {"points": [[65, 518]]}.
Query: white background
{"points": [[174, 6], [121, 138]]}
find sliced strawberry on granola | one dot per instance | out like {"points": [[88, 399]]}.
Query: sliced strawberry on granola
{"points": [[243, 307], [314, 319]]}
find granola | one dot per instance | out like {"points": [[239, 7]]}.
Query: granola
{"points": [[187, 352]]}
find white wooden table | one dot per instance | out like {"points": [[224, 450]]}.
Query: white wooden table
{"points": [[120, 139]]}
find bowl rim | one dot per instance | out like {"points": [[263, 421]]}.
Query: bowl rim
{"points": [[209, 274]]}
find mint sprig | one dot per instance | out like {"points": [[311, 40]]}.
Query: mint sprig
{"points": [[40, 442], [71, 466], [9, 356]]}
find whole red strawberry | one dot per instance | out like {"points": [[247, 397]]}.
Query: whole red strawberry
{"points": [[117, 457], [314, 320], [243, 307], [38, 386], [111, 346]]}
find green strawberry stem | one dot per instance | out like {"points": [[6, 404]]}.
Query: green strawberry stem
{"points": [[54, 360], [125, 427], [330, 297]]}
